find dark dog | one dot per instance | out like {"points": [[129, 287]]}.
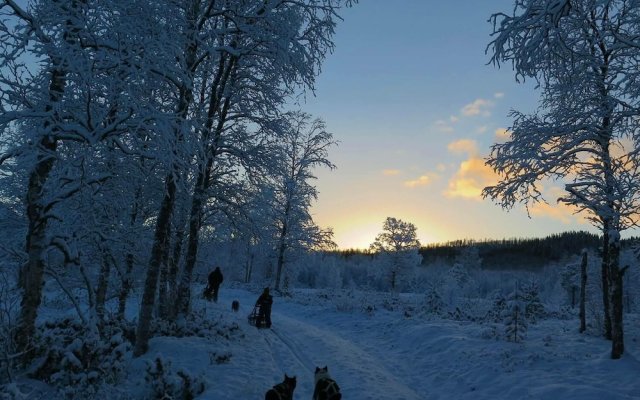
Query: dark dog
{"points": [[326, 388], [283, 390], [235, 305]]}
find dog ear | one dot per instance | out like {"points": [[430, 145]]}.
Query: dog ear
{"points": [[326, 368], [286, 377], [317, 369]]}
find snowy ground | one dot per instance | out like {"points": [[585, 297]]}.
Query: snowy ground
{"points": [[389, 356]]}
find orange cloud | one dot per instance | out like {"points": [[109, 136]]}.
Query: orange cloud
{"points": [[502, 135], [477, 107], [560, 211], [463, 146], [420, 181], [390, 172], [472, 176]]}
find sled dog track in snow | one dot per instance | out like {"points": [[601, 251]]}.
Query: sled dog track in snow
{"points": [[311, 346], [296, 350]]}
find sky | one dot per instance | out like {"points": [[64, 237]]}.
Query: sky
{"points": [[410, 97]]}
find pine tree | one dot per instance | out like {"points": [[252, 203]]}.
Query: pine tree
{"points": [[533, 307], [514, 318], [515, 323]]}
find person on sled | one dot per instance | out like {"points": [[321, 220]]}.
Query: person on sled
{"points": [[264, 302], [215, 280]]}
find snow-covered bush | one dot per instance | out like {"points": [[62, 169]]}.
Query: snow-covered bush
{"points": [[499, 305], [194, 324], [533, 307], [433, 302], [77, 360], [166, 384], [515, 321]]}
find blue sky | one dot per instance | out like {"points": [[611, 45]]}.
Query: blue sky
{"points": [[409, 95]]}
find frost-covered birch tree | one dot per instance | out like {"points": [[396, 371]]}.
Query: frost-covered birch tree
{"points": [[304, 146], [398, 243], [58, 101], [585, 132]]}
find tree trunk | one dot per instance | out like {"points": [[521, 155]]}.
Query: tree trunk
{"points": [[282, 248], [129, 258], [605, 281], [249, 267], [126, 287], [31, 276], [172, 279], [203, 181], [158, 254], [195, 221], [615, 277], [393, 280], [103, 283], [583, 292], [161, 239]]}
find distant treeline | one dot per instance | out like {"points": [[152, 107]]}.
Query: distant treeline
{"points": [[514, 253]]}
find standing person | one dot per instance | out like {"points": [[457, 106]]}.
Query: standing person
{"points": [[215, 279], [264, 301]]}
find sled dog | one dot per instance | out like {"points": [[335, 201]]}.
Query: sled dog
{"points": [[326, 388], [283, 390]]}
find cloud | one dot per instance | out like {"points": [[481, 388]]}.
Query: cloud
{"points": [[441, 167], [502, 135], [443, 126], [559, 211], [481, 129], [498, 95], [477, 107], [463, 146], [423, 180], [390, 172], [453, 119], [472, 176]]}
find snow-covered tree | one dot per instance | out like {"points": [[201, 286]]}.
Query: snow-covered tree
{"points": [[515, 320], [240, 62], [398, 245], [570, 281], [585, 131], [530, 296], [59, 101], [304, 146]]}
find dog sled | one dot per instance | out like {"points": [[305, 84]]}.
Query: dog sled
{"points": [[255, 319]]}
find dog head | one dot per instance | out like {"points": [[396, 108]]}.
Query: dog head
{"points": [[322, 373], [290, 382]]}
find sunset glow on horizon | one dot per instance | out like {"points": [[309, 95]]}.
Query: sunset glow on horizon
{"points": [[415, 111]]}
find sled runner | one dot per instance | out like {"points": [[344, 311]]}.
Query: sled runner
{"points": [[255, 318]]}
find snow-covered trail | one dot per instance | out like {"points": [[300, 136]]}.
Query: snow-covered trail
{"points": [[312, 346], [297, 343], [386, 356]]}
